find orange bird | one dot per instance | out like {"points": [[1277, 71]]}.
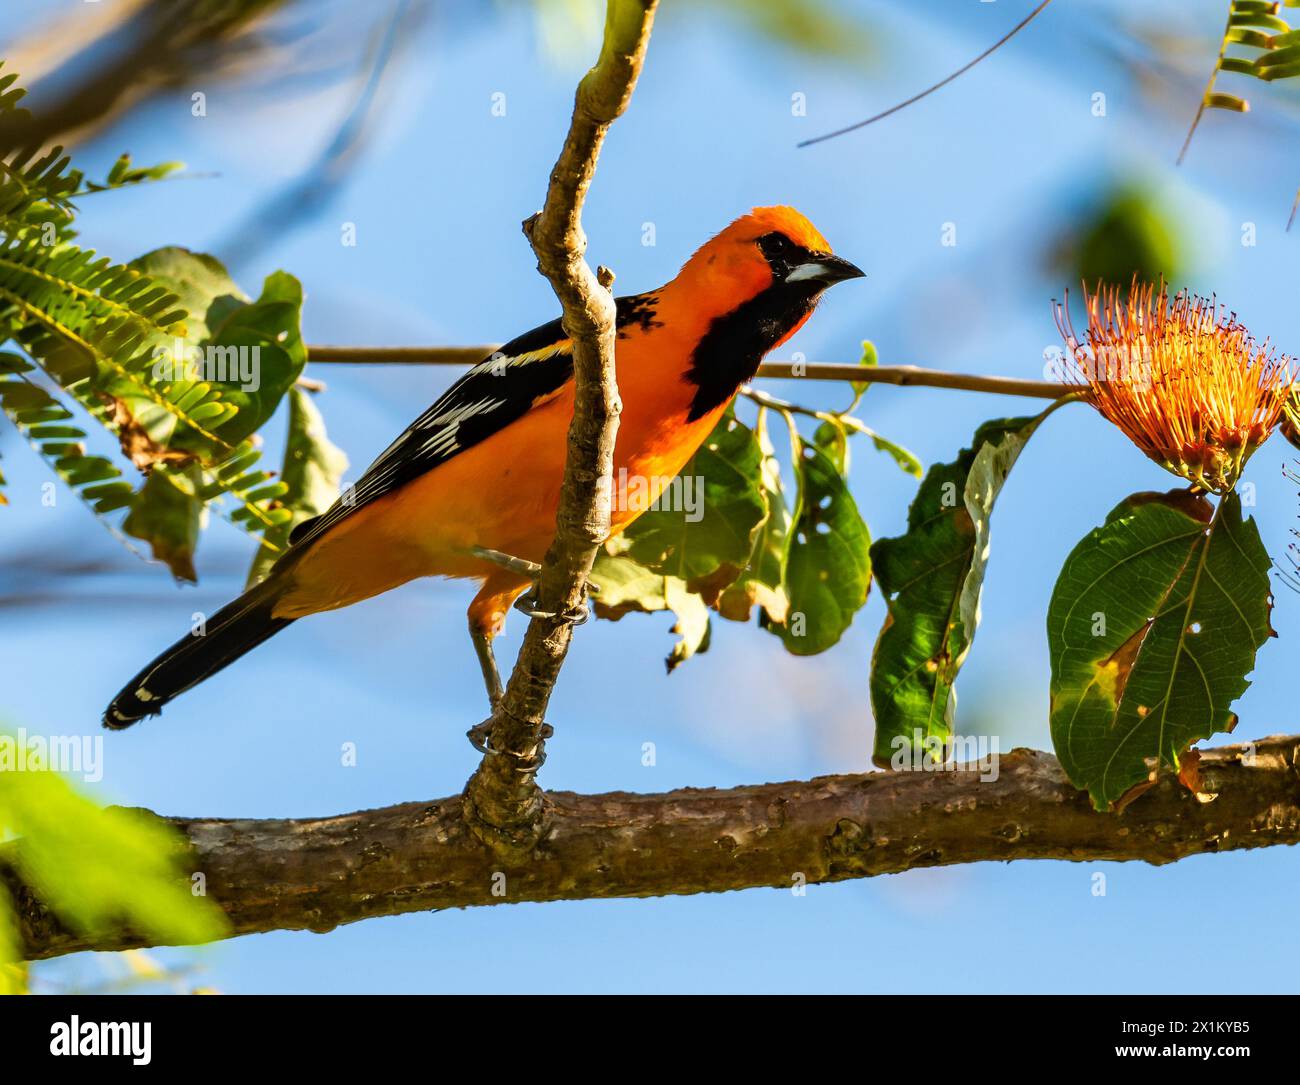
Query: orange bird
{"points": [[471, 488]]}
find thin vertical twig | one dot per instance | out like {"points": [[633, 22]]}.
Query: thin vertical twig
{"points": [[503, 802]]}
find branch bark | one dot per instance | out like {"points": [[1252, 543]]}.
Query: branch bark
{"points": [[315, 874], [502, 800]]}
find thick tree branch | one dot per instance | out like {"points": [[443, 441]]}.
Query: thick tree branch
{"points": [[502, 800], [817, 371], [314, 874]]}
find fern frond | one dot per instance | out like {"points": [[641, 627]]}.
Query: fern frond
{"points": [[256, 492], [1273, 53], [48, 427]]}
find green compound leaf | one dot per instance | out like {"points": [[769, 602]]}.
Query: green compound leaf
{"points": [[226, 375], [932, 577], [312, 472], [1153, 628]]}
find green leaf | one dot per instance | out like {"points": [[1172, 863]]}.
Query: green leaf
{"points": [[932, 578], [901, 456], [763, 580], [1153, 627], [168, 514], [248, 355], [1230, 102], [312, 472], [870, 358], [46, 424], [828, 572], [705, 546], [626, 587], [98, 870]]}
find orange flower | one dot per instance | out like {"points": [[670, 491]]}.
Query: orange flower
{"points": [[1183, 379]]}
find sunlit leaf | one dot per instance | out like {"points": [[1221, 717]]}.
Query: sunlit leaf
{"points": [[626, 588], [763, 580], [828, 572], [312, 472], [168, 513], [932, 578], [1153, 628], [706, 546]]}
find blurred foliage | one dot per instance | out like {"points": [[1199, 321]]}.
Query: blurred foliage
{"points": [[98, 870], [166, 354], [1127, 233], [570, 29], [1257, 42]]}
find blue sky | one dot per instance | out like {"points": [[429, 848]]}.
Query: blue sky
{"points": [[1008, 153]]}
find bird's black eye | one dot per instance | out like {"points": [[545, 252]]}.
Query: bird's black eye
{"points": [[779, 244], [778, 248]]}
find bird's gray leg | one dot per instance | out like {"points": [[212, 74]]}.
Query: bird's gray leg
{"points": [[487, 660], [526, 603], [521, 566]]}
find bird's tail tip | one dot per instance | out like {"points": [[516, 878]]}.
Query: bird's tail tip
{"points": [[237, 628], [119, 715]]}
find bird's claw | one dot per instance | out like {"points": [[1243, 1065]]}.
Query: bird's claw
{"points": [[527, 604], [480, 737]]}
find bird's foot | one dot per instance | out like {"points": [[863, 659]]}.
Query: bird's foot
{"points": [[522, 566], [528, 604], [480, 737]]}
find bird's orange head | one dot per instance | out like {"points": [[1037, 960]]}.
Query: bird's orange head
{"points": [[769, 248], [744, 293]]}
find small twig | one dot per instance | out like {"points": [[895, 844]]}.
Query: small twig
{"points": [[902, 375], [503, 804], [401, 355], [930, 90], [909, 375]]}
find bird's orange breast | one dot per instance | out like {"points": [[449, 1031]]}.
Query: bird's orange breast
{"points": [[503, 493]]}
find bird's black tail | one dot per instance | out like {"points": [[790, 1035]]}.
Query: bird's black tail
{"points": [[236, 628]]}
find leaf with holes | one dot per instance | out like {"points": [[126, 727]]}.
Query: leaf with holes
{"points": [[932, 577], [828, 572], [626, 588], [762, 582], [703, 530], [1153, 628]]}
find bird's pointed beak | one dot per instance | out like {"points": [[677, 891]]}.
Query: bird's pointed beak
{"points": [[825, 267]]}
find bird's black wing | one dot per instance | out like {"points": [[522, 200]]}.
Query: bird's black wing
{"points": [[497, 391]]}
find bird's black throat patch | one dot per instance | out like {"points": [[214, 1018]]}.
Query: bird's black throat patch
{"points": [[730, 352]]}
